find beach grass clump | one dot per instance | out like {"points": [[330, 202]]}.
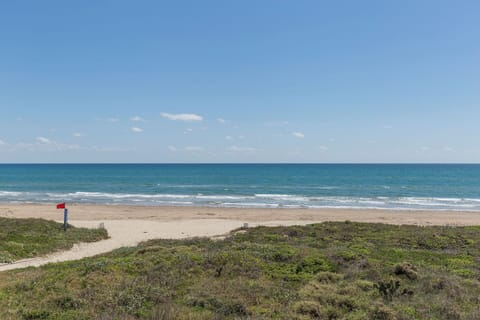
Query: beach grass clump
{"points": [[27, 238], [331, 270]]}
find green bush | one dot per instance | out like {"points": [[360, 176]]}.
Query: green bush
{"points": [[323, 271]]}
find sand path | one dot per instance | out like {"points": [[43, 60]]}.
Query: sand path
{"points": [[128, 233]]}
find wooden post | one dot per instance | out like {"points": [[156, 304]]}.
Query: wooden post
{"points": [[65, 219]]}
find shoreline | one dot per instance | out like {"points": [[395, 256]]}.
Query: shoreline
{"points": [[95, 212]]}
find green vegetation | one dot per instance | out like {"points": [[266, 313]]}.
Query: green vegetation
{"points": [[27, 238], [324, 271]]}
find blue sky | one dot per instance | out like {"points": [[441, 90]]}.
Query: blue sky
{"points": [[240, 81]]}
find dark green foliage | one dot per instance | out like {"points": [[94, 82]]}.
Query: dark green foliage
{"points": [[26, 238], [324, 271], [36, 315], [389, 289]]}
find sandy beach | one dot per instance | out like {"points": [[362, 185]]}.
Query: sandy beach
{"points": [[97, 213], [130, 225]]}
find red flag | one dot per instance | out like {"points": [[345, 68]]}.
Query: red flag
{"points": [[61, 206]]}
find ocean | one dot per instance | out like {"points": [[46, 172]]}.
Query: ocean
{"points": [[382, 186]]}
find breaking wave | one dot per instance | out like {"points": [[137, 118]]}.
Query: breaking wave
{"points": [[246, 201]]}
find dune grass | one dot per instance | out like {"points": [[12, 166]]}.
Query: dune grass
{"points": [[324, 271], [27, 238]]}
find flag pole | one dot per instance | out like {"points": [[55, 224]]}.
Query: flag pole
{"points": [[65, 214], [65, 219]]}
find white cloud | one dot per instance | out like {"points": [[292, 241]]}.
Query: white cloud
{"points": [[182, 116], [172, 148], [299, 135], [228, 138], [221, 120], [137, 119], [194, 149], [136, 129], [113, 119], [78, 134], [188, 130], [323, 148], [43, 140], [2, 143], [241, 149]]}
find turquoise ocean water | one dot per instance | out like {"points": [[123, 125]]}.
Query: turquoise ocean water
{"points": [[386, 186]]}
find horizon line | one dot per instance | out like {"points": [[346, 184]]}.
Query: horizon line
{"points": [[240, 163]]}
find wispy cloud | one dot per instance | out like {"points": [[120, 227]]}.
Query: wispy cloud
{"points": [[221, 120], [137, 119], [113, 120], [277, 124], [182, 116], [68, 147], [78, 134], [299, 135], [45, 144], [112, 149], [194, 149], [241, 149], [186, 149], [136, 129], [231, 138], [2, 143], [43, 140]]}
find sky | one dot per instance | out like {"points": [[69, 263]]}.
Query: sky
{"points": [[239, 81]]}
